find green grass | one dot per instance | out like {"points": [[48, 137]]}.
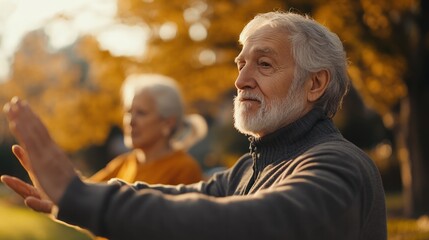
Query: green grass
{"points": [[18, 223]]}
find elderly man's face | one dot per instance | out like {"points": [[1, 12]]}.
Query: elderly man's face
{"points": [[264, 102]]}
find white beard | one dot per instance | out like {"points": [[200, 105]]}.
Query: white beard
{"points": [[270, 116]]}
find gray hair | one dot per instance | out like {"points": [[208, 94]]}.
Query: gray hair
{"points": [[162, 89], [169, 103], [314, 48]]}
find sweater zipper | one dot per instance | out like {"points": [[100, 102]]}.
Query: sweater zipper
{"points": [[255, 155]]}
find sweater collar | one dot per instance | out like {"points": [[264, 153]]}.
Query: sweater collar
{"points": [[295, 138]]}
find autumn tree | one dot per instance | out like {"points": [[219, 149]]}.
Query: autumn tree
{"points": [[75, 90], [195, 42]]}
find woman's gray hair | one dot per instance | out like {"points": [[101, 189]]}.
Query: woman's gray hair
{"points": [[314, 48], [169, 103], [164, 90]]}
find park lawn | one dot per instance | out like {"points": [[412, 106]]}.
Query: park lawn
{"points": [[400, 228], [19, 222], [408, 229]]}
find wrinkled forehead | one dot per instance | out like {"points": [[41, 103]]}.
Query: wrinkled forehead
{"points": [[260, 27], [263, 33], [266, 40]]}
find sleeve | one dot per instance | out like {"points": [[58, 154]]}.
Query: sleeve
{"points": [[318, 201]]}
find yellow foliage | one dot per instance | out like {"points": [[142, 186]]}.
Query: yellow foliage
{"points": [[179, 57], [77, 91], [377, 75], [77, 96]]}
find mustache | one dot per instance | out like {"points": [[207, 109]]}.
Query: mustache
{"points": [[243, 96]]}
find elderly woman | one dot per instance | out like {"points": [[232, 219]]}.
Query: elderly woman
{"points": [[158, 132]]}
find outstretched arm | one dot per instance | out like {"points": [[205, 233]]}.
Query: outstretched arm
{"points": [[47, 165]]}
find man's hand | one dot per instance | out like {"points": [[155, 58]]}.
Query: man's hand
{"points": [[31, 195], [47, 165]]}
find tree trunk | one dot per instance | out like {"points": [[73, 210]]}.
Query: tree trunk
{"points": [[415, 173], [401, 132], [414, 158]]}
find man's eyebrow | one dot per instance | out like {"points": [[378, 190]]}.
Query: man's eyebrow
{"points": [[265, 51], [258, 51]]}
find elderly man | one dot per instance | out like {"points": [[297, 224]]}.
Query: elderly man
{"points": [[301, 179]]}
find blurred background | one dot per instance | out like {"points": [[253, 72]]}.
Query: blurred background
{"points": [[69, 58]]}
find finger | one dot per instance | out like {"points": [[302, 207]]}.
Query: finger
{"points": [[22, 120], [24, 124], [30, 131], [22, 156], [13, 110], [20, 187], [39, 205]]}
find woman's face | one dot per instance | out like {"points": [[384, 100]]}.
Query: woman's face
{"points": [[143, 126]]}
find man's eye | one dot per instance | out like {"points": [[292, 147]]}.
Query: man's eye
{"points": [[140, 112], [264, 64]]}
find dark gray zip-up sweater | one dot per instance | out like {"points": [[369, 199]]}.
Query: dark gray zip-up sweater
{"points": [[304, 181]]}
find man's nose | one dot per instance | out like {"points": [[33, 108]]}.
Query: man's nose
{"points": [[245, 78]]}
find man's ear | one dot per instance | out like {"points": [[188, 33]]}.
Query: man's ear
{"points": [[318, 83]]}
